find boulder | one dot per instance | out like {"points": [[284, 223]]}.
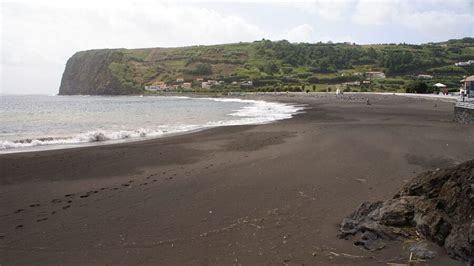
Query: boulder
{"points": [[438, 205]]}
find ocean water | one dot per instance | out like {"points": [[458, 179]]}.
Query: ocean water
{"points": [[50, 122]]}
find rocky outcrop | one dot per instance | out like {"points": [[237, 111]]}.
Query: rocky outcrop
{"points": [[464, 113], [438, 205], [90, 73]]}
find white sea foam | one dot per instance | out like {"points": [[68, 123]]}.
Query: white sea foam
{"points": [[256, 112]]}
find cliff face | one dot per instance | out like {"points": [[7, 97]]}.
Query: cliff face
{"points": [[91, 73]]}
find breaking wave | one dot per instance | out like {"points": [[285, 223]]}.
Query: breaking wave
{"points": [[256, 112]]}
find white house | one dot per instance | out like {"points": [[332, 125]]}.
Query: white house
{"points": [[186, 85], [465, 63], [424, 76], [248, 83], [375, 75], [156, 86], [208, 84]]}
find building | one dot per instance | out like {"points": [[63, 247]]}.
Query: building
{"points": [[208, 84], [248, 83], [156, 86], [466, 63], [424, 76], [468, 86], [352, 83], [186, 85], [179, 80], [375, 75]]}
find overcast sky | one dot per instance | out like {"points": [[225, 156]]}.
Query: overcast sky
{"points": [[38, 36]]}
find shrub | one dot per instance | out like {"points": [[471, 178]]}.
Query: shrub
{"points": [[417, 87]]}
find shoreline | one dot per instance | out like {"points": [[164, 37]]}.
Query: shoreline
{"points": [[259, 194], [101, 137], [276, 98]]}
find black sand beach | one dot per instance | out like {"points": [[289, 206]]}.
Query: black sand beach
{"points": [[267, 194]]}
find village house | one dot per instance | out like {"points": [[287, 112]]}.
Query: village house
{"points": [[466, 63], [156, 86], [352, 83], [180, 80], [468, 86], [248, 83], [186, 85], [424, 76], [375, 75], [208, 84]]}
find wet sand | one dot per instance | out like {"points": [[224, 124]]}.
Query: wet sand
{"points": [[267, 194]]}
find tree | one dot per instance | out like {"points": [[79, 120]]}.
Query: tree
{"points": [[417, 87], [270, 68]]}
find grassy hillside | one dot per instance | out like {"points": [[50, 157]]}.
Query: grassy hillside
{"points": [[286, 65]]}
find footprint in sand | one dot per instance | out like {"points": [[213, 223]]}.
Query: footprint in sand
{"points": [[69, 195], [19, 210], [42, 219], [35, 205], [56, 201], [20, 226], [66, 207], [84, 196]]}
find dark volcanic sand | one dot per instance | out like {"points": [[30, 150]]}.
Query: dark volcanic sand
{"points": [[268, 194]]}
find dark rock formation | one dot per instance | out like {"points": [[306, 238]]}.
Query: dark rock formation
{"points": [[464, 113], [438, 205], [90, 73]]}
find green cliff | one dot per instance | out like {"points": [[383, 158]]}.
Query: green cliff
{"points": [[268, 64], [97, 72]]}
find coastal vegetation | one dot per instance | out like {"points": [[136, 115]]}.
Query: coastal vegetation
{"points": [[281, 66]]}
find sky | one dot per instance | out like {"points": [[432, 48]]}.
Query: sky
{"points": [[38, 36]]}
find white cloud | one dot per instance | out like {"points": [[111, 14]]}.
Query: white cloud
{"points": [[435, 18], [438, 24], [328, 10], [369, 12], [301, 33]]}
